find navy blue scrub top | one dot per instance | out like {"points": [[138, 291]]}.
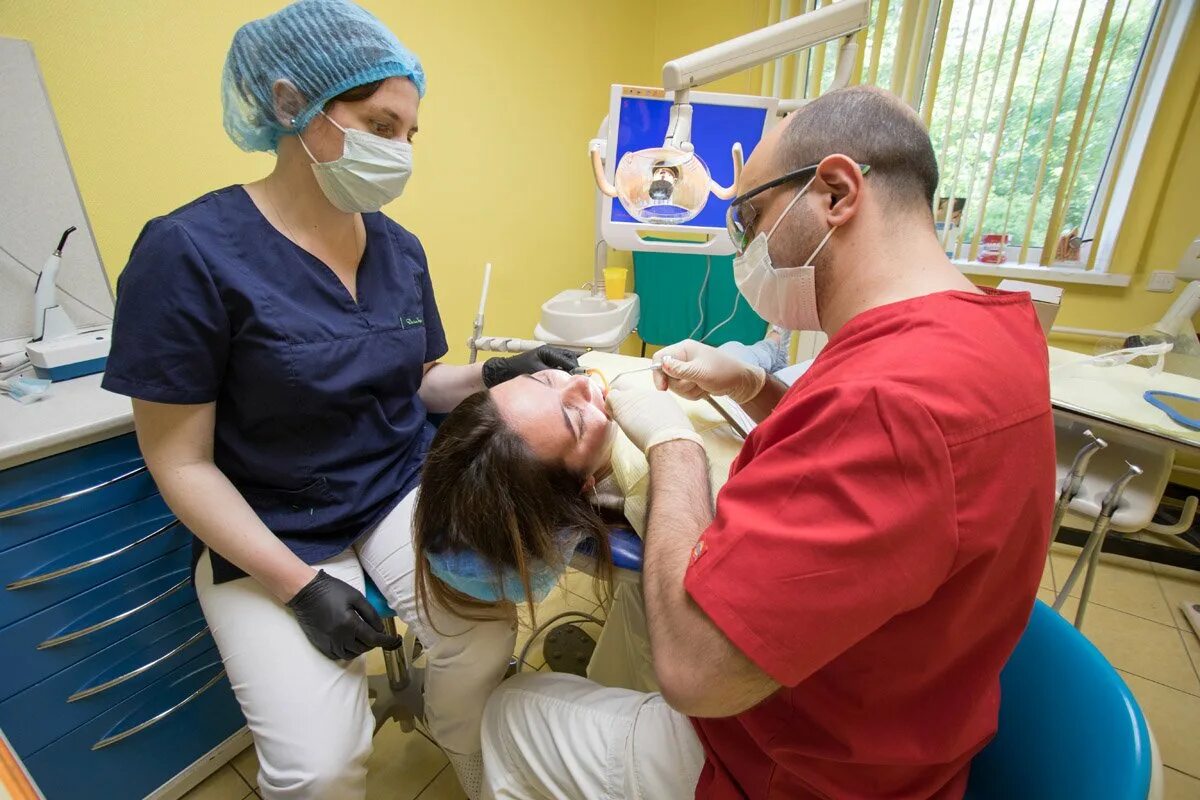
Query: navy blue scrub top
{"points": [[318, 423]]}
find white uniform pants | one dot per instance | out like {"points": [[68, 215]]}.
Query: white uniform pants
{"points": [[309, 715], [553, 736]]}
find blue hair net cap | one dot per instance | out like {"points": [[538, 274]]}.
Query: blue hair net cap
{"points": [[323, 48]]}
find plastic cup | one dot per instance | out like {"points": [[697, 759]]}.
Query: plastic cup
{"points": [[614, 282]]}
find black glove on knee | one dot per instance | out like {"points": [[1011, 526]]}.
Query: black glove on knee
{"points": [[338, 620]]}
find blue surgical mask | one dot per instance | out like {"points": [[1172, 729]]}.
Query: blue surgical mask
{"points": [[24, 389], [468, 572]]}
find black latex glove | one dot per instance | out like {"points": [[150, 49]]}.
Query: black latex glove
{"points": [[500, 369], [338, 620]]}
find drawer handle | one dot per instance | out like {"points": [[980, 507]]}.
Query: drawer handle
{"points": [[73, 635], [133, 673], [13, 512], [160, 716], [91, 562]]}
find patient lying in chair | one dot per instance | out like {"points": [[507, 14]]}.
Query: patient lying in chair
{"points": [[518, 475]]}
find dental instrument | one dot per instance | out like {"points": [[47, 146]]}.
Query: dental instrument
{"points": [[477, 328], [738, 428], [619, 375], [1090, 556], [1074, 479], [50, 321], [58, 350]]}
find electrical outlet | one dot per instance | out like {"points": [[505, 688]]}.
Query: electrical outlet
{"points": [[1161, 281], [1189, 265]]}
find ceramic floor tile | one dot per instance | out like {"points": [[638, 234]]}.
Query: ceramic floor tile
{"points": [[558, 601], [1178, 586], [401, 764], [444, 787], [1192, 644], [1179, 786], [224, 784], [1131, 643], [1172, 716], [375, 661], [583, 585], [1046, 596], [246, 764], [1122, 583], [1047, 581]]}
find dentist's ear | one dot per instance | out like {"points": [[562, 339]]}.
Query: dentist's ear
{"points": [[842, 181], [588, 485]]}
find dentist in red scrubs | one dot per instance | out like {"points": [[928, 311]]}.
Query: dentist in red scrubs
{"points": [[836, 627]]}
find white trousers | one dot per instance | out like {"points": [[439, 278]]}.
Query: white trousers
{"points": [[553, 736], [309, 715]]}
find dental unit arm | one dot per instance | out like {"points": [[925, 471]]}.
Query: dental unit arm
{"points": [[839, 20]]}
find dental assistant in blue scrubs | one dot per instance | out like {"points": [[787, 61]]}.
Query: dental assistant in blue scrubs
{"points": [[280, 340]]}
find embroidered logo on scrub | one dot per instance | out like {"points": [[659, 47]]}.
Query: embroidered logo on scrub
{"points": [[411, 322]]}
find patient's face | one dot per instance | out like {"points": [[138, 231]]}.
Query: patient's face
{"points": [[561, 417]]}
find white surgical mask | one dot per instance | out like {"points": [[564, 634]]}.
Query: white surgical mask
{"points": [[371, 173], [785, 297]]}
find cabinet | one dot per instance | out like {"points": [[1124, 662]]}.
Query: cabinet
{"points": [[110, 684]]}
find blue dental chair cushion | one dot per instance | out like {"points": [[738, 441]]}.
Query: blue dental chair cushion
{"points": [[626, 548], [375, 598]]}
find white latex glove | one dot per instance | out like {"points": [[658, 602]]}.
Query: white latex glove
{"points": [[693, 370], [650, 418]]}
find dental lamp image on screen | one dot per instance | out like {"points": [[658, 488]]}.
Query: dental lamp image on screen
{"points": [[642, 124]]}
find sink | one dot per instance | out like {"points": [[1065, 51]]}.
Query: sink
{"points": [[574, 317], [590, 306]]}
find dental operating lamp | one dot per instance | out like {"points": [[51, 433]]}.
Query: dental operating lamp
{"points": [[671, 184]]}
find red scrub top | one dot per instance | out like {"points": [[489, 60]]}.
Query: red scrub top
{"points": [[877, 550]]}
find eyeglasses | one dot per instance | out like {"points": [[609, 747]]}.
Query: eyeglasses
{"points": [[741, 217]]}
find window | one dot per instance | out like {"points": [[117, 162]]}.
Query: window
{"points": [[1031, 106]]}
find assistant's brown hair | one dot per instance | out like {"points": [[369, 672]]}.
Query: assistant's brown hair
{"points": [[483, 489], [356, 93]]}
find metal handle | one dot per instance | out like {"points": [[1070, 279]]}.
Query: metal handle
{"points": [[73, 635], [733, 423], [91, 562], [133, 673], [13, 512], [159, 717], [1074, 479]]}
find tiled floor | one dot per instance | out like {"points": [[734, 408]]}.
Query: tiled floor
{"points": [[1133, 618]]}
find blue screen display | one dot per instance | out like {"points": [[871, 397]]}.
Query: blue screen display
{"points": [[643, 123]]}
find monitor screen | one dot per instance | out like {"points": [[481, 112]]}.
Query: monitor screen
{"points": [[642, 123]]}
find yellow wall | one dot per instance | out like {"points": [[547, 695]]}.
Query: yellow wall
{"points": [[516, 90]]}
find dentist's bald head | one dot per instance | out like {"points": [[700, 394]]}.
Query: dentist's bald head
{"points": [[871, 126]]}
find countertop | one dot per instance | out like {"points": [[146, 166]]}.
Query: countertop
{"points": [[76, 413], [1114, 394]]}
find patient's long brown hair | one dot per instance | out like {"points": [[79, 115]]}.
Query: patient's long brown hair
{"points": [[483, 489]]}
